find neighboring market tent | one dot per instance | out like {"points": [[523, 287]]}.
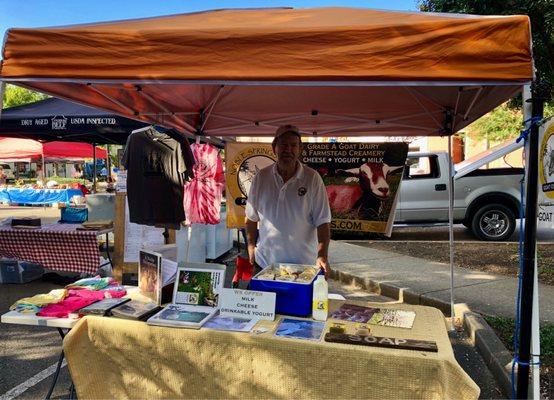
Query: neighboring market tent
{"points": [[14, 148], [331, 71], [56, 119]]}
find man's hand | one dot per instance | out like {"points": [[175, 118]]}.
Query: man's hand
{"points": [[322, 263], [323, 238], [252, 254], [251, 239]]}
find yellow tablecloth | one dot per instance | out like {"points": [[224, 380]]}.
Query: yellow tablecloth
{"points": [[115, 358]]}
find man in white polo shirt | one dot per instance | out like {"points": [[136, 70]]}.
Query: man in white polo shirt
{"points": [[288, 203]]}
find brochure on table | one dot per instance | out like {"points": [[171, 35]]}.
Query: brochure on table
{"points": [[154, 273], [225, 323], [196, 296], [150, 275]]}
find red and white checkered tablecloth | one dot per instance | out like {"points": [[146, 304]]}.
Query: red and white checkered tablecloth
{"points": [[59, 247]]}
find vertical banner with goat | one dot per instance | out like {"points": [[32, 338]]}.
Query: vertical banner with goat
{"points": [[546, 176], [362, 181], [242, 163]]}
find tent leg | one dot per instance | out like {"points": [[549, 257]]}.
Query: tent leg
{"points": [[535, 335], [450, 187], [94, 168], [2, 90], [529, 254], [43, 173], [108, 163]]}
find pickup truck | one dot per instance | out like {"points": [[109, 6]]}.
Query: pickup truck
{"points": [[487, 201]]}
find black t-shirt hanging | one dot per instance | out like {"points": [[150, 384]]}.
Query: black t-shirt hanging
{"points": [[155, 168]]}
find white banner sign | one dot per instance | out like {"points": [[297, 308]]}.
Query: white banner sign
{"points": [[546, 176], [247, 304]]}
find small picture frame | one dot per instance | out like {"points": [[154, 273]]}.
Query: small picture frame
{"points": [[198, 284]]}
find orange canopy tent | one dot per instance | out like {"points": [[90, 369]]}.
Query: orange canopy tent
{"points": [[331, 71]]}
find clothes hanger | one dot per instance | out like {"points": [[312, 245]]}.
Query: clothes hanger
{"points": [[142, 129]]}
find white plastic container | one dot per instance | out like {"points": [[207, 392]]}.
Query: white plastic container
{"points": [[320, 303]]}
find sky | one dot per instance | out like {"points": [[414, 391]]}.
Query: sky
{"points": [[42, 13]]}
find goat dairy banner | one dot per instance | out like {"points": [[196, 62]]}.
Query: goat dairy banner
{"points": [[545, 210], [362, 181], [242, 163]]}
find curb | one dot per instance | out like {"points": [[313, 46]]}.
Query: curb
{"points": [[497, 358]]}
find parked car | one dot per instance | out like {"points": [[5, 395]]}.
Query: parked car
{"points": [[487, 201]]}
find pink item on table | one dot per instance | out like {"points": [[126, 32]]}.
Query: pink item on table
{"points": [[77, 299], [202, 196]]}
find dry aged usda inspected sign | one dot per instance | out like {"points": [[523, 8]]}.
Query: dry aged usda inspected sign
{"points": [[247, 304]]}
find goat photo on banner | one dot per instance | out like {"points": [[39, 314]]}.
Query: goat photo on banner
{"points": [[362, 181]]}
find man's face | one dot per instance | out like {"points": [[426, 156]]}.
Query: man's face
{"points": [[287, 148]]}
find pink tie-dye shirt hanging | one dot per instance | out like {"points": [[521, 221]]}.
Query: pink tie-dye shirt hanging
{"points": [[202, 199]]}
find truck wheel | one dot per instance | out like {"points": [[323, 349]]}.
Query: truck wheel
{"points": [[493, 222]]}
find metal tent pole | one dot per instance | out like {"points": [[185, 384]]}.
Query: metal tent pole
{"points": [[108, 163], [43, 168], [529, 249], [2, 89], [450, 188], [447, 129], [94, 168], [535, 335]]}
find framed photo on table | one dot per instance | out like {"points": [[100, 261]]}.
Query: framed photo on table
{"points": [[198, 284], [195, 296]]}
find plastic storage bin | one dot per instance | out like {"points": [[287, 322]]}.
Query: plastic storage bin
{"points": [[74, 215], [15, 271], [293, 298]]}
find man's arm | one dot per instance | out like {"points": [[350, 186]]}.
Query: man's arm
{"points": [[323, 238], [251, 233]]}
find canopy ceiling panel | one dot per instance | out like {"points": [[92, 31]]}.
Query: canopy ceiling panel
{"points": [[331, 71]]}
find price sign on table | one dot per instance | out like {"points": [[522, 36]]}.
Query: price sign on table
{"points": [[247, 304]]}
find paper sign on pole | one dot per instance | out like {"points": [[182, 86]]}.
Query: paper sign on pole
{"points": [[247, 304]]}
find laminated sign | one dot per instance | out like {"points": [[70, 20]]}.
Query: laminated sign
{"points": [[546, 176], [362, 181], [242, 163]]}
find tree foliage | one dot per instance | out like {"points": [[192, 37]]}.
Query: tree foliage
{"points": [[16, 96], [541, 14], [502, 123]]}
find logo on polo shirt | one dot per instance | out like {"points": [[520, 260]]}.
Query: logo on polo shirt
{"points": [[302, 191]]}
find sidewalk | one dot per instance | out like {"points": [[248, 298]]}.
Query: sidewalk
{"points": [[421, 281]]}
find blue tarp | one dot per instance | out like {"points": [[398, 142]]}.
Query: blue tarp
{"points": [[37, 196]]}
